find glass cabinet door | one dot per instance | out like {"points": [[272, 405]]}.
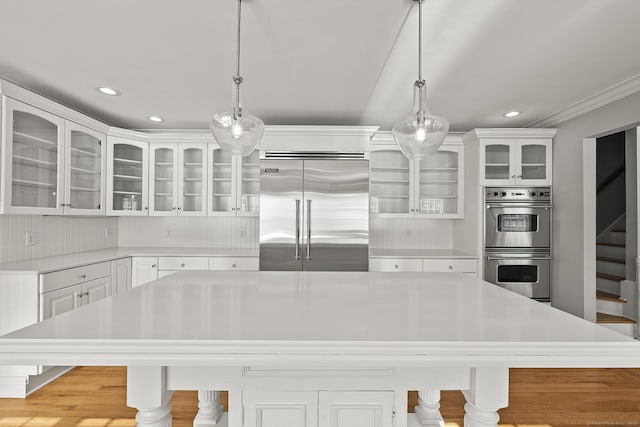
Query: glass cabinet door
{"points": [[163, 181], [128, 181], [84, 171], [222, 194], [389, 183], [533, 160], [192, 180], [249, 170], [438, 188], [497, 161], [35, 159]]}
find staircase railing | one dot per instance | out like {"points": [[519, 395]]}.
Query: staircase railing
{"points": [[610, 178]]}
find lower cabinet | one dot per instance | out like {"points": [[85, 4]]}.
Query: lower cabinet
{"points": [[427, 265], [144, 269], [120, 275], [319, 408]]}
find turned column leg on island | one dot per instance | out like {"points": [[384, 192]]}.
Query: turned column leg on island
{"points": [[489, 392], [428, 409], [209, 409], [147, 392]]}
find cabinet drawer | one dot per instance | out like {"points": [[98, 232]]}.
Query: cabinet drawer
{"points": [[395, 264], [231, 263], [182, 263], [444, 265], [71, 276]]}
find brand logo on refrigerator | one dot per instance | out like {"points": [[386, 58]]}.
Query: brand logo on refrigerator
{"points": [[272, 170]]}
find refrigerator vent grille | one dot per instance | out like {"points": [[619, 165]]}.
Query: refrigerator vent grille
{"points": [[333, 155]]}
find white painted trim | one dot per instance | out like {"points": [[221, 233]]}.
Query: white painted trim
{"points": [[321, 130], [593, 102], [508, 133], [128, 134], [386, 138], [29, 97], [589, 227]]}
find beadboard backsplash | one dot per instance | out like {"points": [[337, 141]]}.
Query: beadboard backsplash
{"points": [[54, 235], [216, 232], [387, 233]]}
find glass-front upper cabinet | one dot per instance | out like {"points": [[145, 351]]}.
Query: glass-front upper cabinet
{"points": [[33, 158], [427, 188], [127, 177], [84, 171], [234, 183], [178, 179], [439, 184], [522, 161]]}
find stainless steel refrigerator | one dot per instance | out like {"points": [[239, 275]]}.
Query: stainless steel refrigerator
{"points": [[314, 213]]}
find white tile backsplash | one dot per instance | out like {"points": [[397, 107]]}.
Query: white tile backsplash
{"points": [[385, 233], [217, 232], [53, 235]]}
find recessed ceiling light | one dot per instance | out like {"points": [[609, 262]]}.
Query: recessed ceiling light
{"points": [[155, 119], [108, 91], [511, 114]]}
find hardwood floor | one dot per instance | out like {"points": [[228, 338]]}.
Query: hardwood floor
{"points": [[95, 396]]}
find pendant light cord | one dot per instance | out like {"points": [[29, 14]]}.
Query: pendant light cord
{"points": [[237, 79], [420, 40]]}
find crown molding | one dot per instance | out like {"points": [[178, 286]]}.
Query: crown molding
{"points": [[321, 130], [386, 137], [508, 133], [607, 96]]}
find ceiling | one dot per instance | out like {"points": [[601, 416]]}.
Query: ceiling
{"points": [[328, 62]]}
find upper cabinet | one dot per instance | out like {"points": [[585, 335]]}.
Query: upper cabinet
{"points": [[178, 179], [127, 177], [514, 157], [234, 183], [427, 188], [50, 165]]}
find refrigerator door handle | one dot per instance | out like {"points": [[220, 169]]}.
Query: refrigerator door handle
{"points": [[308, 257], [297, 257]]}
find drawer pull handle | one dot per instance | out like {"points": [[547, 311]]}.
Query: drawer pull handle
{"points": [[153, 266], [233, 265], [451, 267], [83, 276], [182, 265], [86, 294], [396, 266]]}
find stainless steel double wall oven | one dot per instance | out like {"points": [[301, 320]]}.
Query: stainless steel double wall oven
{"points": [[518, 240]]}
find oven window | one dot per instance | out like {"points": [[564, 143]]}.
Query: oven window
{"points": [[517, 274], [517, 223]]}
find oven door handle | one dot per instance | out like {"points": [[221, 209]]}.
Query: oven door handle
{"points": [[534, 258], [516, 205]]}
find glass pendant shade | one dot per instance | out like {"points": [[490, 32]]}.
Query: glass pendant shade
{"points": [[422, 133], [237, 132]]}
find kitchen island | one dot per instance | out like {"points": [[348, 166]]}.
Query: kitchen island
{"points": [[318, 348]]}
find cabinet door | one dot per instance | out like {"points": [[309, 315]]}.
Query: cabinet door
{"points": [[143, 270], [533, 159], [120, 276], [163, 179], [96, 290], [33, 159], [248, 184], [222, 192], [60, 301], [192, 180], [280, 409], [355, 409], [391, 183], [127, 177], [84, 171], [439, 184], [497, 162]]}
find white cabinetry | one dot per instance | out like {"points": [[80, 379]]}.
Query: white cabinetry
{"points": [[143, 270], [178, 179], [427, 188], [514, 157], [127, 176], [120, 275], [234, 263], [234, 183], [430, 265], [321, 409]]}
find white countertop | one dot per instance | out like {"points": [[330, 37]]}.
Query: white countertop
{"points": [[419, 253], [236, 318], [61, 262]]}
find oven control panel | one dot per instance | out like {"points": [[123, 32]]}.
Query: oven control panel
{"points": [[519, 194]]}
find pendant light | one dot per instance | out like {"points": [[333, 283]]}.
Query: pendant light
{"points": [[422, 133], [237, 132]]}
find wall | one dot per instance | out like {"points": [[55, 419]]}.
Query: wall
{"points": [[54, 235], [568, 289], [410, 234], [631, 177], [218, 232], [610, 202]]}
